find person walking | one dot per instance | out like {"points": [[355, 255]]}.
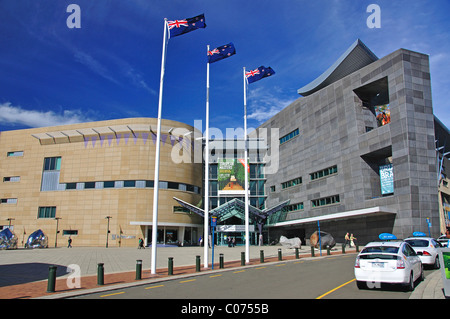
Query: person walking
{"points": [[347, 240], [69, 242], [352, 240]]}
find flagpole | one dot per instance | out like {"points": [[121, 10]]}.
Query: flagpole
{"points": [[247, 235], [158, 145], [206, 158]]}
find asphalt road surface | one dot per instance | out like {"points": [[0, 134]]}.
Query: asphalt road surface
{"points": [[330, 277]]}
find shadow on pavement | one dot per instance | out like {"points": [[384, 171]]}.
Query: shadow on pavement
{"points": [[15, 274]]}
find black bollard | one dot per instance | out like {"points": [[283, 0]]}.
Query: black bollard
{"points": [[197, 263], [221, 261], [100, 274], [261, 256], [170, 270], [138, 269], [312, 251], [343, 249], [51, 279], [243, 258], [296, 254], [279, 254]]}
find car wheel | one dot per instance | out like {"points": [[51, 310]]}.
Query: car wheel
{"points": [[361, 284], [410, 284], [437, 264], [422, 275]]}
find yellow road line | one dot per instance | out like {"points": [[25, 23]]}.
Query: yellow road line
{"points": [[280, 265], [235, 272], [117, 293], [154, 287], [260, 267], [182, 282], [329, 292], [215, 276]]}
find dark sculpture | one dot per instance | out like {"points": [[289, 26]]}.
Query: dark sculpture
{"points": [[8, 239], [37, 240], [325, 240]]}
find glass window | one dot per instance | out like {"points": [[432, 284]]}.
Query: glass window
{"points": [[47, 212], [71, 186], [89, 185], [108, 184], [129, 184], [52, 164], [16, 153]]}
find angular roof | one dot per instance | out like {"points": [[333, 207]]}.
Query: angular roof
{"points": [[355, 58]]}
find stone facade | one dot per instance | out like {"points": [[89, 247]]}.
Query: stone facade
{"points": [[338, 128]]}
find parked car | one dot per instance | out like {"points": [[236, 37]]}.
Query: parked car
{"points": [[393, 262], [427, 250], [443, 240]]}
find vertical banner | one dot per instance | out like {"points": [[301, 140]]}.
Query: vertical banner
{"points": [[387, 179], [231, 176]]}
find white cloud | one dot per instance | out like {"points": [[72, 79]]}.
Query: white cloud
{"points": [[15, 115], [265, 104]]}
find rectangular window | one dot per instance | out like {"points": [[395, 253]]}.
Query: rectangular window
{"points": [[70, 232], [331, 200], [325, 172], [129, 184], [47, 212], [181, 209], [89, 185], [108, 184], [289, 136], [16, 153], [294, 207], [292, 183], [71, 186], [272, 189], [52, 164], [8, 201], [11, 179]]}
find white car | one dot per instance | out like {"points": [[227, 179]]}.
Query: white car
{"points": [[426, 248], [393, 262], [443, 240]]}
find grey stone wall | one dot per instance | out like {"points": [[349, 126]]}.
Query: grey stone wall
{"points": [[333, 124]]}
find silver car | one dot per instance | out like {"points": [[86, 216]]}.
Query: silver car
{"points": [[427, 250]]}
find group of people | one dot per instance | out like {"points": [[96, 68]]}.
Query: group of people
{"points": [[350, 240], [231, 242]]}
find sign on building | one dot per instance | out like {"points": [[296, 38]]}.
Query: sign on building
{"points": [[387, 179]]}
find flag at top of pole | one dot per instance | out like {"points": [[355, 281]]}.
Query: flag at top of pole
{"points": [[258, 74], [221, 52], [179, 27]]}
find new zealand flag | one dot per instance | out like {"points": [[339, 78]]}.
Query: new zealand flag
{"points": [[178, 27], [258, 74], [221, 52]]}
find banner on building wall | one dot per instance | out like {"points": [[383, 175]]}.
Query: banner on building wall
{"points": [[387, 179], [383, 114], [231, 176]]}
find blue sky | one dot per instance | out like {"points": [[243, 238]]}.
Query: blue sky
{"points": [[110, 67]]}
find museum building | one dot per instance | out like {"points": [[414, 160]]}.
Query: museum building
{"points": [[359, 152]]}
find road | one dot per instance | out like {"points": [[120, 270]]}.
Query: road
{"points": [[330, 277]]}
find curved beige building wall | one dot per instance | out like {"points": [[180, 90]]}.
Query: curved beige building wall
{"points": [[105, 169]]}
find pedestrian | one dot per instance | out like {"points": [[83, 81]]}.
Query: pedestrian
{"points": [[141, 244], [200, 241], [347, 240], [234, 242], [69, 241], [352, 239], [447, 233]]}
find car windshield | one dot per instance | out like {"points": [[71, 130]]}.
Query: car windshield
{"points": [[380, 249], [418, 242]]}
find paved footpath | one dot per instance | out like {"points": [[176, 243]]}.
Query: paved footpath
{"points": [[25, 272]]}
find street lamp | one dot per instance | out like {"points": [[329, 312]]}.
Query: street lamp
{"points": [[57, 231], [107, 233], [10, 219]]}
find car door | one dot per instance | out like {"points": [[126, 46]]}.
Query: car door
{"points": [[413, 259]]}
